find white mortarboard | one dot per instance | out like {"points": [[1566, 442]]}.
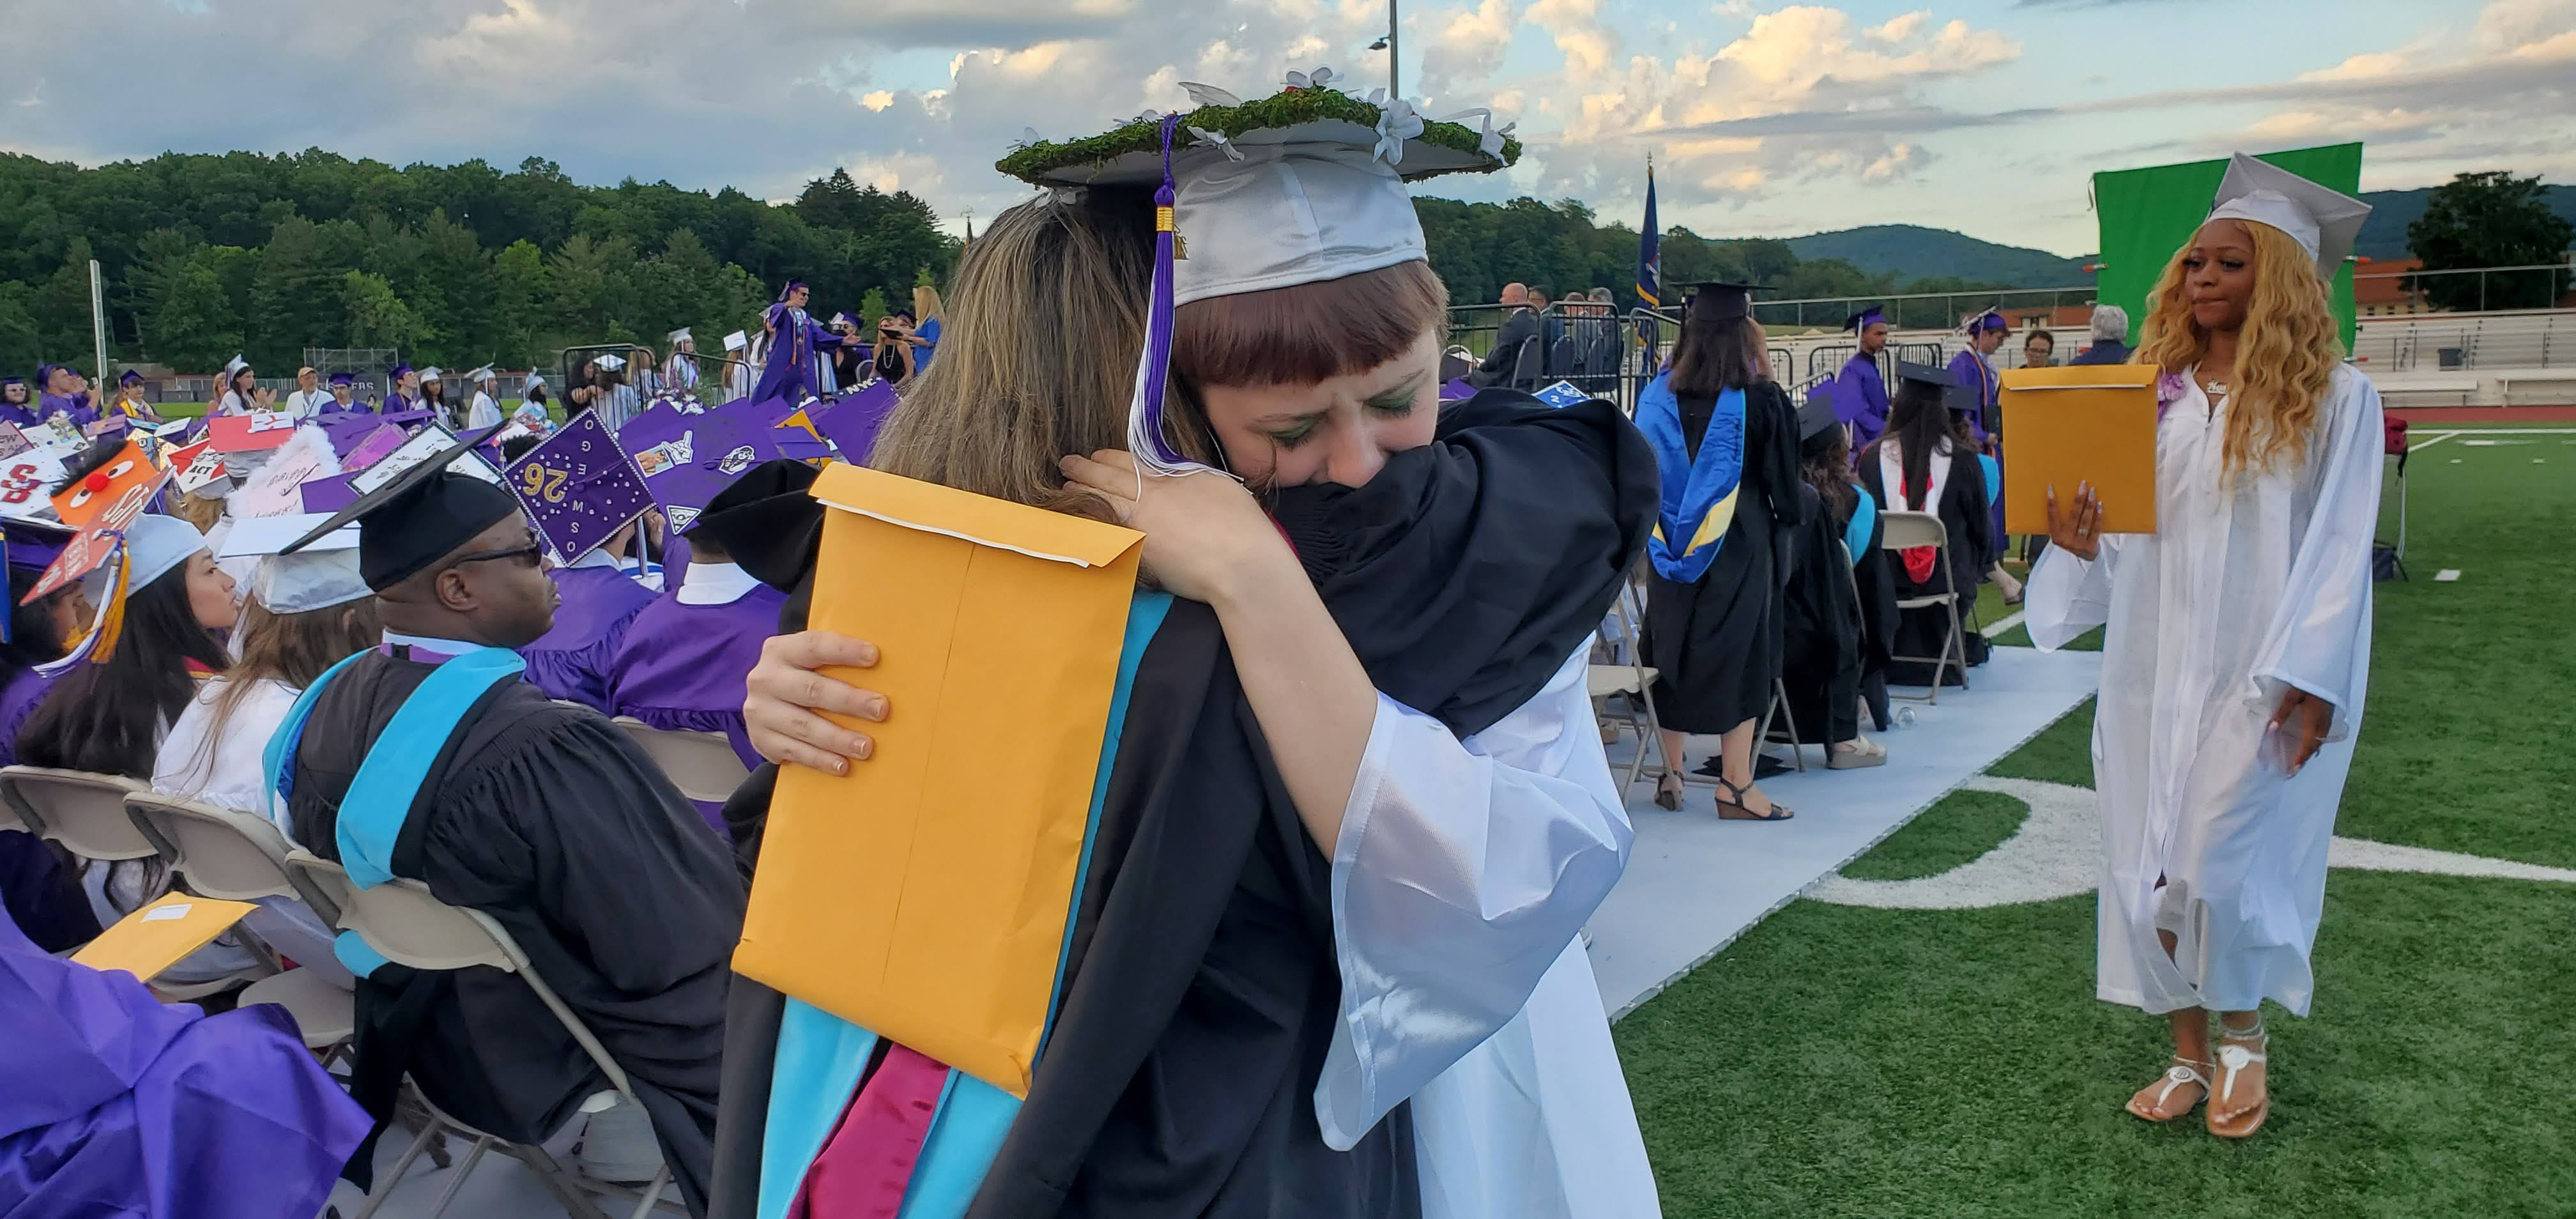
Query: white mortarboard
{"points": [[678, 335], [737, 341], [430, 373], [610, 363], [318, 576], [1304, 187], [535, 379], [234, 365], [157, 544], [2324, 221], [840, 318], [482, 374]]}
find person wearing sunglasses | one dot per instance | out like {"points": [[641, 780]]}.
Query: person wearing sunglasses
{"points": [[431, 758]]}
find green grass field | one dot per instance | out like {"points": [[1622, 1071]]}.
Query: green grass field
{"points": [[1845, 1061]]}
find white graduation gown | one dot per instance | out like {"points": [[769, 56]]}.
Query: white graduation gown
{"points": [[2240, 595], [1463, 873], [484, 412]]}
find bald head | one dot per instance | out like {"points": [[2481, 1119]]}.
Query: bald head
{"points": [[1515, 294]]}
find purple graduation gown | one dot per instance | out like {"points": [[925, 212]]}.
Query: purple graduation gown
{"points": [[112, 1103], [1860, 399], [1974, 373], [570, 662], [682, 668], [41, 898], [19, 414], [75, 405], [794, 371]]}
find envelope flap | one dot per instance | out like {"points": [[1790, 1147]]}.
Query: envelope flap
{"points": [[2081, 376], [980, 519]]}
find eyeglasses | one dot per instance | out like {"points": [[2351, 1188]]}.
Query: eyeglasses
{"points": [[533, 554]]}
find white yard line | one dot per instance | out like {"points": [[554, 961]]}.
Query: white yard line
{"points": [[2430, 441], [2003, 624]]}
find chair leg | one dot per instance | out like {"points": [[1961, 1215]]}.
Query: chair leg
{"points": [[652, 1194], [482, 1143], [1797, 744], [388, 1182]]}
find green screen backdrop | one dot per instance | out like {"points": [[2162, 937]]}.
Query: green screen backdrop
{"points": [[2147, 214]]}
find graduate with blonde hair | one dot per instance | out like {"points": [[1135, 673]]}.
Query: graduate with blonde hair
{"points": [[2238, 655]]}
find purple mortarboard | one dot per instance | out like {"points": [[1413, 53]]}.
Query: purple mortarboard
{"points": [[1457, 390], [406, 418], [33, 545], [341, 378], [12, 379], [1991, 319], [397, 373], [579, 487], [851, 423], [790, 289], [1860, 322], [328, 494], [129, 377], [687, 459], [347, 430], [374, 447]]}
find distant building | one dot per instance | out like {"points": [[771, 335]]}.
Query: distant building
{"points": [[2380, 289]]}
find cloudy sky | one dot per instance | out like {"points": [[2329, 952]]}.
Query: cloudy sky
{"points": [[1764, 119]]}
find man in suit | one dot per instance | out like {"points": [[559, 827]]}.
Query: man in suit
{"points": [[1520, 324], [2110, 337]]}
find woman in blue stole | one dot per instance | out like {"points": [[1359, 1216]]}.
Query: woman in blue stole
{"points": [[1727, 439]]}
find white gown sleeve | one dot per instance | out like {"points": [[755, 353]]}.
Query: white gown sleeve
{"points": [[2068, 596], [1463, 870], [2319, 641]]}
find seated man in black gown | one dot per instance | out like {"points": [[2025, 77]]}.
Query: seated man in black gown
{"points": [[543, 816]]}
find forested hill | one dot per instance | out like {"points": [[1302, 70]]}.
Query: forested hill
{"points": [[206, 255], [2383, 235], [1914, 252]]}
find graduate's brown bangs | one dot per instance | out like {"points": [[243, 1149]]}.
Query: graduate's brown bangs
{"points": [[1308, 333]]}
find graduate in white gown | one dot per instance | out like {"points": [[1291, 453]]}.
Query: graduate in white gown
{"points": [[2238, 655]]}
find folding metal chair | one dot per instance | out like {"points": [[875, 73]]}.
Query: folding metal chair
{"points": [[1788, 734], [237, 856], [1633, 679], [85, 812], [1909, 531], [702, 765], [401, 920]]}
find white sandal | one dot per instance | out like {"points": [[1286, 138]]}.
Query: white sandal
{"points": [[2232, 1061], [2180, 1073], [1861, 754]]}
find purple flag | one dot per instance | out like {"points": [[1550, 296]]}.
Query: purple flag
{"points": [[851, 423], [579, 487], [687, 459]]}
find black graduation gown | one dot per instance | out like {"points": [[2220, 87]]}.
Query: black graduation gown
{"points": [[1202, 983], [1964, 512], [1715, 644], [551, 821], [1822, 629]]}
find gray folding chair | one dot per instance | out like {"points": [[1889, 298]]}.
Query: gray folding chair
{"points": [[1908, 531], [85, 812], [237, 856], [702, 765], [401, 920], [1787, 733], [1530, 363], [1634, 680]]}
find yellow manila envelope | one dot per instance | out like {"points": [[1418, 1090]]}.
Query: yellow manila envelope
{"points": [[924, 896], [160, 935], [2090, 423]]}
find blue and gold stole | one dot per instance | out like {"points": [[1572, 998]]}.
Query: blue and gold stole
{"points": [[380, 797], [1699, 490]]}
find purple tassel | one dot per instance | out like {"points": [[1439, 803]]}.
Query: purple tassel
{"points": [[1145, 438]]}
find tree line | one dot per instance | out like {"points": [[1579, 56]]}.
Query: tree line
{"points": [[204, 256], [207, 255]]}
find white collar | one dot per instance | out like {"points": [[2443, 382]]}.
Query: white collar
{"points": [[598, 557], [715, 584], [444, 647]]}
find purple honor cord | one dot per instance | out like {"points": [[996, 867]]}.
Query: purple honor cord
{"points": [[1153, 452]]}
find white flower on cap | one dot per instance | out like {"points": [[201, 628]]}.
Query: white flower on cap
{"points": [[2324, 221], [318, 576], [1316, 79]]}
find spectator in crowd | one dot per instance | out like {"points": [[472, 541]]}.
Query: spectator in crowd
{"points": [[242, 394], [1518, 327], [2110, 337], [17, 403], [307, 400], [433, 395], [923, 331], [612, 399], [130, 402], [1551, 328], [2038, 348], [893, 353], [740, 372]]}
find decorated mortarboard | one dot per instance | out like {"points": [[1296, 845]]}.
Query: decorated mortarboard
{"points": [[1301, 187], [1859, 323], [418, 515], [1457, 390], [256, 432], [609, 363], [374, 447], [687, 459], [1991, 319], [133, 547], [737, 341], [853, 420], [275, 488], [102, 483], [1728, 299], [404, 419], [329, 494], [198, 467], [579, 486], [319, 575], [347, 429], [2324, 221], [1562, 395]]}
